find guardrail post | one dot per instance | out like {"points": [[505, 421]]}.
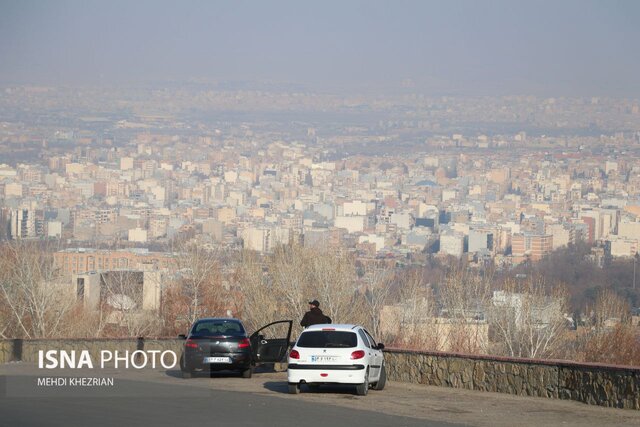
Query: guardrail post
{"points": [[139, 346], [16, 351]]}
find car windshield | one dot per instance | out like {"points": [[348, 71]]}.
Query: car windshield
{"points": [[326, 339], [217, 327]]}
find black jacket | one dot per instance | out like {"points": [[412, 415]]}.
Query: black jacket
{"points": [[314, 317]]}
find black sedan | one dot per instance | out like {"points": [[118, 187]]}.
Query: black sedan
{"points": [[217, 344]]}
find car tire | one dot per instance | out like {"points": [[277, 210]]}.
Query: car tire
{"points": [[294, 388], [363, 389], [313, 386], [382, 380], [247, 373]]}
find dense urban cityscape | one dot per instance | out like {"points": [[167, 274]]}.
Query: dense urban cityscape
{"points": [[121, 180], [394, 176], [416, 213]]}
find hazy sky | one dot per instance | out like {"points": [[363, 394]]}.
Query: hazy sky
{"points": [[553, 47]]}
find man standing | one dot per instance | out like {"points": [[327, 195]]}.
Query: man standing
{"points": [[314, 316]]}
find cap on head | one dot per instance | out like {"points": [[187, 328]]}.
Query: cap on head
{"points": [[315, 302]]}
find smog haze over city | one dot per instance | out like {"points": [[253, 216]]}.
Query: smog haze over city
{"points": [[422, 168], [549, 48]]}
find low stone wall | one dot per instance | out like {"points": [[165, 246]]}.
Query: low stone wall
{"points": [[597, 385], [604, 385], [6, 351], [163, 344]]}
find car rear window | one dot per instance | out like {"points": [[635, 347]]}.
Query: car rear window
{"points": [[217, 327], [326, 339]]}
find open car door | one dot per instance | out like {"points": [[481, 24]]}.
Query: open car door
{"points": [[270, 343]]}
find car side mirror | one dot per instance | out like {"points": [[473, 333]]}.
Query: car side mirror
{"points": [[182, 336], [380, 346]]}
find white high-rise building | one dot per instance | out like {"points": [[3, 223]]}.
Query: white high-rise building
{"points": [[23, 224], [265, 239]]}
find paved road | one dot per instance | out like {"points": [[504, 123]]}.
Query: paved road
{"points": [[157, 397], [214, 408]]}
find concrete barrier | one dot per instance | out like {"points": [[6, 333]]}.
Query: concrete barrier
{"points": [[604, 385], [594, 384]]}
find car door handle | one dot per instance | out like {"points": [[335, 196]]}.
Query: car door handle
{"points": [[263, 342]]}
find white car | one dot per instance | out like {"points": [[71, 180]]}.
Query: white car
{"points": [[336, 354]]}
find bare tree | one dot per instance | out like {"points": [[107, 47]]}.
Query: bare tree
{"points": [[410, 320], [122, 294], [198, 280], [529, 319], [609, 337], [463, 296], [376, 290], [279, 285], [33, 296], [259, 304], [7, 320], [608, 309], [335, 285], [291, 280], [81, 322], [463, 293], [619, 345]]}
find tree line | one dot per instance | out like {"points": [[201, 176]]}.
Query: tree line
{"points": [[438, 306]]}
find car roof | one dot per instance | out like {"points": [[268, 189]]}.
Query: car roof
{"points": [[217, 319], [337, 327]]}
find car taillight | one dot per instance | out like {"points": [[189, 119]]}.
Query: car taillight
{"points": [[358, 354], [294, 354], [191, 344], [244, 343]]}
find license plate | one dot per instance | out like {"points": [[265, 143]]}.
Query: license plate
{"points": [[217, 360], [321, 359]]}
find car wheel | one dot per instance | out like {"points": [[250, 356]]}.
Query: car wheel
{"points": [[382, 380], [247, 373], [363, 389], [294, 388]]}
